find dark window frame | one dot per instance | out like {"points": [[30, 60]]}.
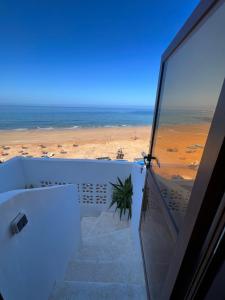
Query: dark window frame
{"points": [[201, 11], [201, 214], [181, 272]]}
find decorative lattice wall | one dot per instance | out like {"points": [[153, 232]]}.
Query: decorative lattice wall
{"points": [[89, 193], [176, 200]]}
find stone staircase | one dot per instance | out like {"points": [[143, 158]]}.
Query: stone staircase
{"points": [[107, 266]]}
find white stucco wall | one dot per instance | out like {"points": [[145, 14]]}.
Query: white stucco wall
{"points": [[11, 175], [78, 171], [48, 215], [25, 171], [138, 179], [32, 260]]}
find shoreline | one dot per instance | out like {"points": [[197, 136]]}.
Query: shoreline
{"points": [[72, 128], [13, 136], [75, 127]]}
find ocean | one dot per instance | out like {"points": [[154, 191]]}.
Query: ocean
{"points": [[44, 117]]}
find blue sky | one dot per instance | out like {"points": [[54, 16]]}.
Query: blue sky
{"points": [[85, 52]]}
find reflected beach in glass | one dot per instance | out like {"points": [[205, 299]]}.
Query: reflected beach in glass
{"points": [[193, 78]]}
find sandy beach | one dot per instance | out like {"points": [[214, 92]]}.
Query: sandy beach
{"points": [[179, 147], [75, 143]]}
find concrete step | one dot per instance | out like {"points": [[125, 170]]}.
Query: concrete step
{"points": [[87, 223], [75, 290], [121, 272], [106, 223], [107, 265], [115, 246]]}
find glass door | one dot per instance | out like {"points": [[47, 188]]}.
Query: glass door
{"points": [[191, 82]]}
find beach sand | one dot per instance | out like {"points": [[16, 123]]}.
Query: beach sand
{"points": [[75, 143], [179, 147]]}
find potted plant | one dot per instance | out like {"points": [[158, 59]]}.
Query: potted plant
{"points": [[122, 196]]}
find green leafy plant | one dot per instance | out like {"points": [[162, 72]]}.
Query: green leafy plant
{"points": [[122, 196]]}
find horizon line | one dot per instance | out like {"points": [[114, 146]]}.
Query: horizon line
{"points": [[78, 105]]}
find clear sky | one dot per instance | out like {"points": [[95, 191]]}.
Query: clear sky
{"points": [[85, 52]]}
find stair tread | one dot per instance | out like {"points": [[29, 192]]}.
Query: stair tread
{"points": [[107, 265], [126, 272], [113, 246], [95, 291], [107, 222]]}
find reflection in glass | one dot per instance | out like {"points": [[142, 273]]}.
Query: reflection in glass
{"points": [[193, 78]]}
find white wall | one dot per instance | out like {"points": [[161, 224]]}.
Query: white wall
{"points": [[11, 175], [26, 171], [138, 179], [32, 260], [78, 172]]}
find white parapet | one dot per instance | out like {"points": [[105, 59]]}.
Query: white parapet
{"points": [[32, 260], [11, 175], [55, 194], [91, 178]]}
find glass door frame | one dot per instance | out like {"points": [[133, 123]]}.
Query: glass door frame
{"points": [[201, 210], [206, 279], [199, 13], [205, 200]]}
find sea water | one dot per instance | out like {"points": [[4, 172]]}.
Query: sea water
{"points": [[56, 117], [46, 117]]}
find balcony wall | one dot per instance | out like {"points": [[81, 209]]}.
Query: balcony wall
{"points": [[47, 181], [33, 259], [49, 200], [91, 178], [11, 175]]}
